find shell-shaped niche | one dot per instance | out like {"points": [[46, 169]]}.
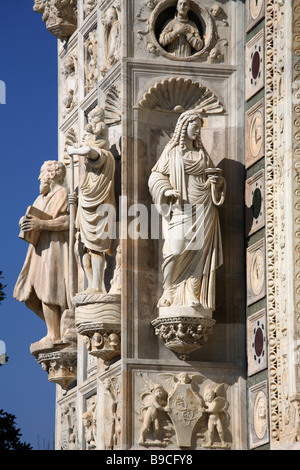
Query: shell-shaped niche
{"points": [[178, 95], [113, 106]]}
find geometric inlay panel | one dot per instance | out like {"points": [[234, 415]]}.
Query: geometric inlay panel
{"points": [[255, 201], [254, 65], [256, 342]]}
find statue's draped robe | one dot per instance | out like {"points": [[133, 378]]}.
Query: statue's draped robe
{"points": [[96, 208], [44, 276], [195, 219]]}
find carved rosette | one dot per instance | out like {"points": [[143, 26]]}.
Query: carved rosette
{"points": [[183, 329], [61, 366], [98, 319], [60, 16]]}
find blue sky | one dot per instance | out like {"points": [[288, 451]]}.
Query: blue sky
{"points": [[28, 137]]}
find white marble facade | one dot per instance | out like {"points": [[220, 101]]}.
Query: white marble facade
{"points": [[157, 108]]}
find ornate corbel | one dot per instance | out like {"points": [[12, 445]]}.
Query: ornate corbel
{"points": [[60, 16]]}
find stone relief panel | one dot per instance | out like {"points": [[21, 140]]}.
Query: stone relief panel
{"points": [[112, 413], [91, 61], [255, 202], [88, 7], [185, 410], [254, 64], [256, 284], [70, 83], [183, 30], [257, 342], [68, 430], [254, 133], [255, 12], [258, 415], [89, 419], [111, 21]]}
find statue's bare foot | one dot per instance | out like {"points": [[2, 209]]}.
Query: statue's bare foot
{"points": [[194, 303], [164, 303], [92, 290]]}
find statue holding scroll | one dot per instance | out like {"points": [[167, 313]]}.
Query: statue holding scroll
{"points": [[43, 282]]}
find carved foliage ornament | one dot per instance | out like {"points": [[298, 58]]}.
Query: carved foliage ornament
{"points": [[60, 16]]}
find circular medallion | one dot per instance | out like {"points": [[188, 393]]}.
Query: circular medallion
{"points": [[260, 415], [255, 8], [257, 272], [256, 134]]}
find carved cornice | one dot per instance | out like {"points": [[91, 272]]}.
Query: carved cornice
{"points": [[60, 16]]}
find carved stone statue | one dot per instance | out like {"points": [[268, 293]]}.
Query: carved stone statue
{"points": [[111, 37], [97, 190], [70, 85], [216, 407], [43, 281], [154, 401], [89, 422], [186, 191], [181, 36], [113, 420], [91, 61]]}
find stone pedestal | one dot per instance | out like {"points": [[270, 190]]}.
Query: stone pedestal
{"points": [[183, 329], [98, 319]]}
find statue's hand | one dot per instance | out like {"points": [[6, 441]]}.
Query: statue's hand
{"points": [[172, 193], [72, 150], [31, 223], [72, 198], [214, 179]]}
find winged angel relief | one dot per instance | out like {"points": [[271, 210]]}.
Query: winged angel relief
{"points": [[180, 410]]}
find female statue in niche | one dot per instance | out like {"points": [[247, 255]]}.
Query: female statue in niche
{"points": [[186, 191]]}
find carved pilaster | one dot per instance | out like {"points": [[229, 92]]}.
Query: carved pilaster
{"points": [[60, 16], [282, 219]]}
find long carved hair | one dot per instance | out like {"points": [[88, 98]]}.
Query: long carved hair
{"points": [[178, 138]]}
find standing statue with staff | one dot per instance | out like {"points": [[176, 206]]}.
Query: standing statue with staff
{"points": [[96, 202]]}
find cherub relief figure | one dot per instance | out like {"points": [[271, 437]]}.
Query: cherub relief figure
{"points": [[216, 406], [181, 36], [154, 401]]}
